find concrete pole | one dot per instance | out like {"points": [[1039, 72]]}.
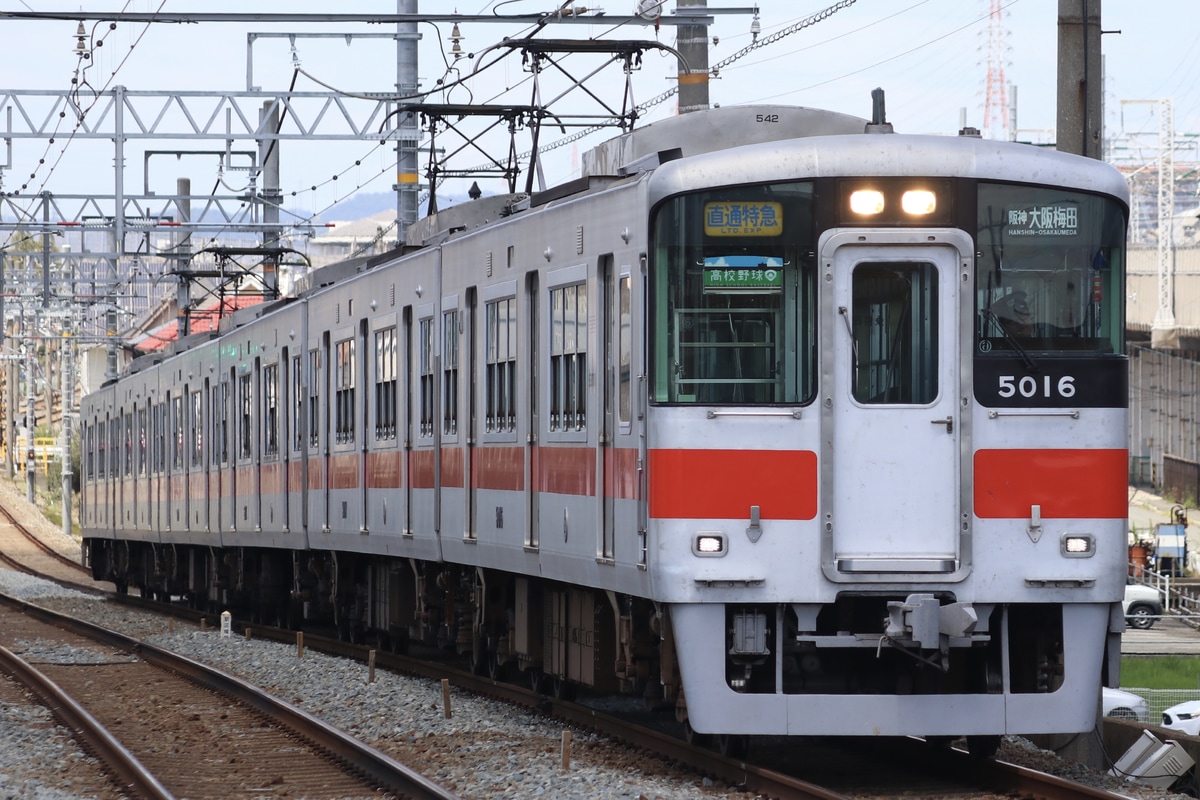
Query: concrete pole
{"points": [[408, 186], [1080, 79], [692, 43], [268, 157], [183, 248], [68, 413], [30, 408]]}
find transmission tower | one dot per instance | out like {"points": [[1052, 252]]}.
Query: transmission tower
{"points": [[995, 107]]}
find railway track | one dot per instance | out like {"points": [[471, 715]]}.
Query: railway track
{"points": [[170, 727]]}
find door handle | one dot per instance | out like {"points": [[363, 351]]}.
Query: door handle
{"points": [[948, 422]]}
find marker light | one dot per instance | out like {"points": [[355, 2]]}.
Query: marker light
{"points": [[866, 201], [1078, 545], [918, 202], [710, 544]]}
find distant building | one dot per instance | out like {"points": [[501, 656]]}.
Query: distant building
{"points": [[367, 236]]}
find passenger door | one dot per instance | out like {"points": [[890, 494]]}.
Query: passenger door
{"points": [[892, 495]]}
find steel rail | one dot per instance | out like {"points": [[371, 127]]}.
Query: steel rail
{"points": [[45, 548], [384, 769], [116, 758]]}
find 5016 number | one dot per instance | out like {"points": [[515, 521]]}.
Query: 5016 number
{"points": [[1029, 386]]}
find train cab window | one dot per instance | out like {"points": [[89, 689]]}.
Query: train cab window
{"points": [[734, 297], [1051, 273], [895, 333]]}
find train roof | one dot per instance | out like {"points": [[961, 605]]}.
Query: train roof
{"points": [[716, 129], [888, 154]]}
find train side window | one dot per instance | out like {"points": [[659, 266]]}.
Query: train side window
{"points": [[196, 428], [425, 365], [501, 344], [101, 449], [141, 445], [177, 422], [270, 420], [298, 402], [450, 372], [128, 451], [245, 415], [345, 373], [386, 383], [220, 423], [314, 397], [568, 357], [624, 350], [157, 442]]}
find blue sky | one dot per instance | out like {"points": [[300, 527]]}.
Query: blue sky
{"points": [[930, 56]]}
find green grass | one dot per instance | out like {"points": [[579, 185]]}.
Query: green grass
{"points": [[1161, 672]]}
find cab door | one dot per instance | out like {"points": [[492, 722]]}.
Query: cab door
{"points": [[893, 476]]}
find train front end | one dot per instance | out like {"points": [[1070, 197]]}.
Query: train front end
{"points": [[886, 435]]}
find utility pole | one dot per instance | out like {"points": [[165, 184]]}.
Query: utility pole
{"points": [[68, 416], [1080, 79], [692, 41]]}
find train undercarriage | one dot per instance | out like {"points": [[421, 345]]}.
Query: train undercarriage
{"points": [[556, 636]]}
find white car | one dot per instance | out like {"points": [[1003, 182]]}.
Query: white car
{"points": [[1183, 717], [1124, 705], [1142, 604]]}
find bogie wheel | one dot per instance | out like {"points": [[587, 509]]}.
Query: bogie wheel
{"points": [[732, 745], [561, 688], [694, 737], [497, 670], [983, 746]]}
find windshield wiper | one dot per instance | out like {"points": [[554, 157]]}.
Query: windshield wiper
{"points": [[1012, 340]]}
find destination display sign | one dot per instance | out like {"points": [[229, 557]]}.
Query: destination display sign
{"points": [[1048, 220], [743, 273], [743, 218]]}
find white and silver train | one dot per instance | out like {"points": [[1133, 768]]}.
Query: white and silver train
{"points": [[776, 417]]}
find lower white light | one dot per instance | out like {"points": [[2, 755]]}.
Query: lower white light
{"points": [[1078, 545], [709, 544]]}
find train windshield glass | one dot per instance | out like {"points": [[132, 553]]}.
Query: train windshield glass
{"points": [[1051, 275], [733, 303]]}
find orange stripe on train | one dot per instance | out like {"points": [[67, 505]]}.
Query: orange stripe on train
{"points": [[723, 484], [1081, 484]]}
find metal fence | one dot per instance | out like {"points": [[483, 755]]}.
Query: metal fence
{"points": [[1161, 699]]}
